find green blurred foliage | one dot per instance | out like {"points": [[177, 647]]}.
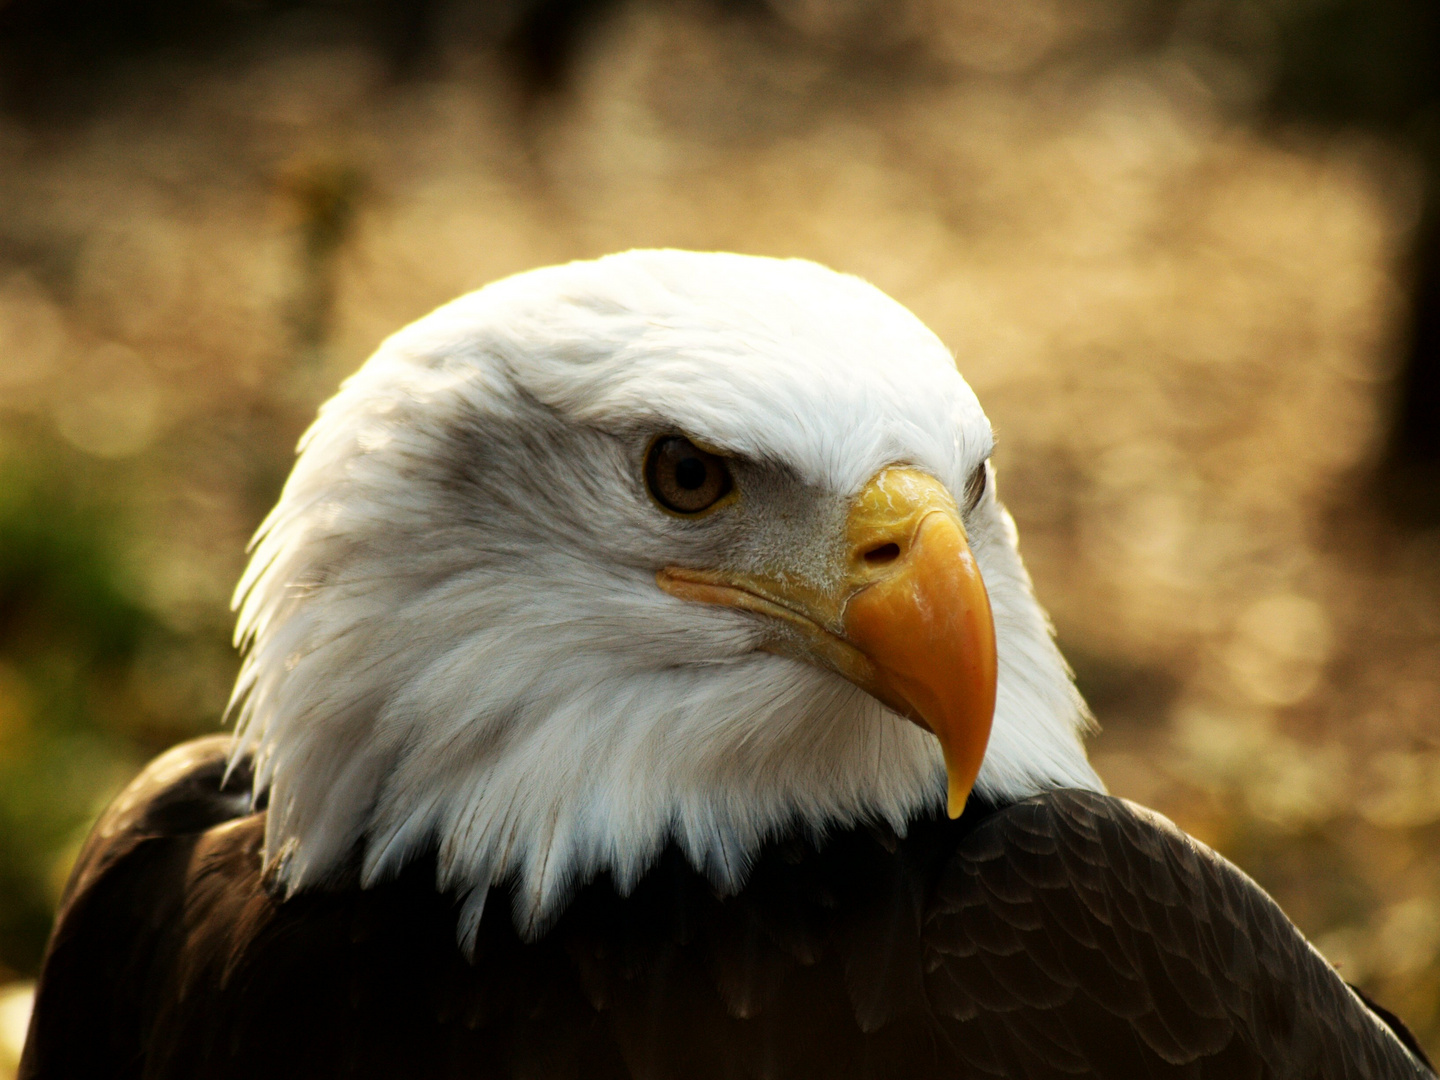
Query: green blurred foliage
{"points": [[72, 726]]}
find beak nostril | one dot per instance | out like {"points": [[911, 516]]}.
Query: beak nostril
{"points": [[885, 553]]}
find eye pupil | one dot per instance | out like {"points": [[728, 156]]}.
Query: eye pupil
{"points": [[690, 473], [683, 478]]}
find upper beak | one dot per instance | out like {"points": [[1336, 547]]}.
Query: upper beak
{"points": [[908, 619]]}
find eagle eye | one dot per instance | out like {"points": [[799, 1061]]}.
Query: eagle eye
{"points": [[976, 487], [683, 478]]}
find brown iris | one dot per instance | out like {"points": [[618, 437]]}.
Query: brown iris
{"points": [[683, 478]]}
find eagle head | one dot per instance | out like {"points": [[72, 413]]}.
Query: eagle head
{"points": [[661, 547]]}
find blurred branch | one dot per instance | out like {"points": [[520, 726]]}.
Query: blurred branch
{"points": [[325, 194]]}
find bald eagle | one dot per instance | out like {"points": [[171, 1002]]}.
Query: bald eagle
{"points": [[641, 679]]}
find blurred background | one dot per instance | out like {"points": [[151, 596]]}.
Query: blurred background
{"points": [[1187, 253]]}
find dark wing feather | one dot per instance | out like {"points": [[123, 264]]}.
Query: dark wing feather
{"points": [[1076, 934], [170, 959], [114, 927], [1068, 935]]}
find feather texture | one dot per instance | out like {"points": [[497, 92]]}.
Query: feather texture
{"points": [[453, 637], [1068, 935]]}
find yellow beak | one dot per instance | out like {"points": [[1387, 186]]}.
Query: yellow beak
{"points": [[908, 619]]}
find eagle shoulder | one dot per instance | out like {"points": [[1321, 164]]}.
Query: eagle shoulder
{"points": [[1067, 934], [123, 914], [174, 956], [1077, 933], [185, 790]]}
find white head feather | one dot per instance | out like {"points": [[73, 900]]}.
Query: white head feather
{"points": [[453, 636]]}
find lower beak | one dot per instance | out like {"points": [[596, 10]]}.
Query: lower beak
{"points": [[909, 621]]}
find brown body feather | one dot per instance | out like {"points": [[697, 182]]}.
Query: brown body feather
{"points": [[1071, 934]]}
